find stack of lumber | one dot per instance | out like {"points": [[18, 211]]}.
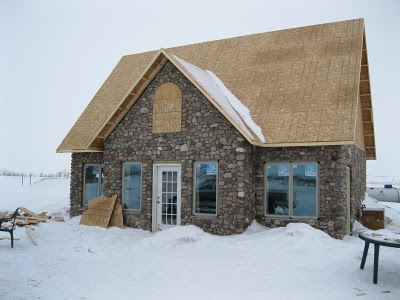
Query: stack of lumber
{"points": [[104, 212], [28, 217]]}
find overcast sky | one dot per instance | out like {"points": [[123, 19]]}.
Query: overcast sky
{"points": [[55, 55]]}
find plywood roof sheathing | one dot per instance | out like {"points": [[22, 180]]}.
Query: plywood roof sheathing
{"points": [[278, 75]]}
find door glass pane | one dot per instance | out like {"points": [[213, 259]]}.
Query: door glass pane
{"points": [[132, 185], [169, 197], [305, 190], [91, 184], [206, 188], [277, 189]]}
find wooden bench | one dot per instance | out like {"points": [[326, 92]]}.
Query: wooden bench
{"points": [[9, 229]]}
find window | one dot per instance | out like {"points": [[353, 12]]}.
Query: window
{"points": [[205, 191], [167, 108], [291, 189], [93, 182], [132, 185]]}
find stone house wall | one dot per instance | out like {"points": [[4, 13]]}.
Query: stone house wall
{"points": [[333, 162], [206, 135], [356, 159], [77, 172]]}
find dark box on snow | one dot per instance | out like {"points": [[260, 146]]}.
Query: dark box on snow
{"points": [[373, 218]]}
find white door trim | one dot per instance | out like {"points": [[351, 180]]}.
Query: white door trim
{"points": [[155, 202]]}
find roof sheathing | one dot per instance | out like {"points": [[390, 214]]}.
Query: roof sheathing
{"points": [[301, 85], [104, 103], [129, 99]]}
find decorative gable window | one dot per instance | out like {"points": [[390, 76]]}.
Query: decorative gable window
{"points": [[291, 189], [93, 182], [167, 108]]}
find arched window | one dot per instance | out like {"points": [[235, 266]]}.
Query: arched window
{"points": [[167, 108]]}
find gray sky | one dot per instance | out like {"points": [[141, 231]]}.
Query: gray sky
{"points": [[54, 56]]}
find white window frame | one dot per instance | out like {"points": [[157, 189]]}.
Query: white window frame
{"points": [[290, 214], [216, 189], [99, 191], [123, 185]]}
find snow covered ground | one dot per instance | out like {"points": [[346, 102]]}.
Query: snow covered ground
{"points": [[81, 262]]}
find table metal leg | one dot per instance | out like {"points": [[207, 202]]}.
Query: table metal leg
{"points": [[376, 262], [366, 246]]}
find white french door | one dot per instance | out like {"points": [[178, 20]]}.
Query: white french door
{"points": [[166, 196]]}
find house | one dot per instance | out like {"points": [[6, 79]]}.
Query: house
{"points": [[273, 126]]}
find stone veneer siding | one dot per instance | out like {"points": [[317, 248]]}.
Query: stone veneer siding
{"points": [[206, 135], [333, 162], [77, 172]]}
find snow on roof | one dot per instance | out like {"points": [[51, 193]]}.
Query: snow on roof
{"points": [[224, 97]]}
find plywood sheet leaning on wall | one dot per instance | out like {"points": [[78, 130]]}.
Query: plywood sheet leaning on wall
{"points": [[99, 212], [116, 217]]}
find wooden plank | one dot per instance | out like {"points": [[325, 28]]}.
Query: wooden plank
{"points": [[26, 222], [31, 218], [7, 238], [21, 222], [116, 217], [58, 219], [99, 212], [28, 233], [44, 215], [27, 211]]}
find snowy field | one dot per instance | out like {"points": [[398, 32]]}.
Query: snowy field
{"points": [[80, 262], [380, 181]]}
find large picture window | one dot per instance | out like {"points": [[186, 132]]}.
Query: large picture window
{"points": [[205, 188], [291, 189], [132, 185], [93, 182]]}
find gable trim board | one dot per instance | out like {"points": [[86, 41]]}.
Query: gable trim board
{"points": [[319, 107]]}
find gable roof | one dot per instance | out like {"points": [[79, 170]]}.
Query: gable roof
{"points": [[217, 93], [302, 86]]}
